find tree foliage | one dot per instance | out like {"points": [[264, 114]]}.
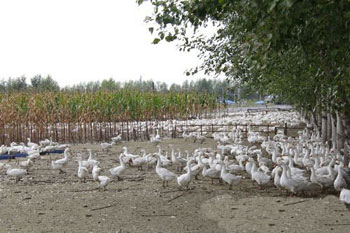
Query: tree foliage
{"points": [[39, 83], [298, 50]]}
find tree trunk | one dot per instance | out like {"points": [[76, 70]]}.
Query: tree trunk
{"points": [[329, 127], [324, 127], [314, 122], [340, 132], [346, 124], [346, 154], [334, 131]]}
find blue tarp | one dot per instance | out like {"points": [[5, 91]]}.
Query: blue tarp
{"points": [[260, 102], [12, 156]]}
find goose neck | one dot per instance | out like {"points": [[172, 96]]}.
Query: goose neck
{"points": [[284, 172], [158, 163], [254, 168], [121, 160]]}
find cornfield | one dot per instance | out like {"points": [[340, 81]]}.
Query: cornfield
{"points": [[88, 117]]}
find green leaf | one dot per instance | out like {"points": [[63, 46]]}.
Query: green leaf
{"points": [[347, 15], [289, 3], [161, 35], [156, 41], [273, 5], [151, 30], [170, 38]]}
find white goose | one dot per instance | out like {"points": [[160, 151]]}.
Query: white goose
{"points": [[31, 144], [2, 165], [27, 164], [104, 181], [119, 170], [91, 160], [33, 154], [150, 160], [163, 158], [345, 196], [228, 177], [117, 139], [295, 184], [164, 174], [339, 182], [323, 181], [82, 172], [61, 163], [139, 161], [84, 163], [294, 170], [277, 178], [212, 173], [3, 149], [127, 156], [185, 179], [307, 162], [96, 170], [155, 139], [45, 142], [264, 168], [179, 162], [259, 176], [324, 170], [197, 168], [106, 146], [261, 159], [15, 172], [248, 166], [297, 159]]}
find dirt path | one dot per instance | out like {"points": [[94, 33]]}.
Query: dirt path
{"points": [[48, 202]]}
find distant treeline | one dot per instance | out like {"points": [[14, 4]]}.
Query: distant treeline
{"points": [[221, 88]]}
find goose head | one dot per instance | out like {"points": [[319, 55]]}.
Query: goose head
{"points": [[125, 149]]}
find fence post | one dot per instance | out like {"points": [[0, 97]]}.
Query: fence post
{"points": [[285, 129], [127, 130]]}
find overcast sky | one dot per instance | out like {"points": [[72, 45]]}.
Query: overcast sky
{"points": [[85, 40]]}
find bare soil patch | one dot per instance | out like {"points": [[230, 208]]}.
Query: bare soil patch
{"points": [[45, 201]]}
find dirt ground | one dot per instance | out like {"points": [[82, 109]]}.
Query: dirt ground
{"points": [[45, 201]]}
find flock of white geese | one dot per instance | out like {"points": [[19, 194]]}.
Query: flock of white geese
{"points": [[296, 165]]}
